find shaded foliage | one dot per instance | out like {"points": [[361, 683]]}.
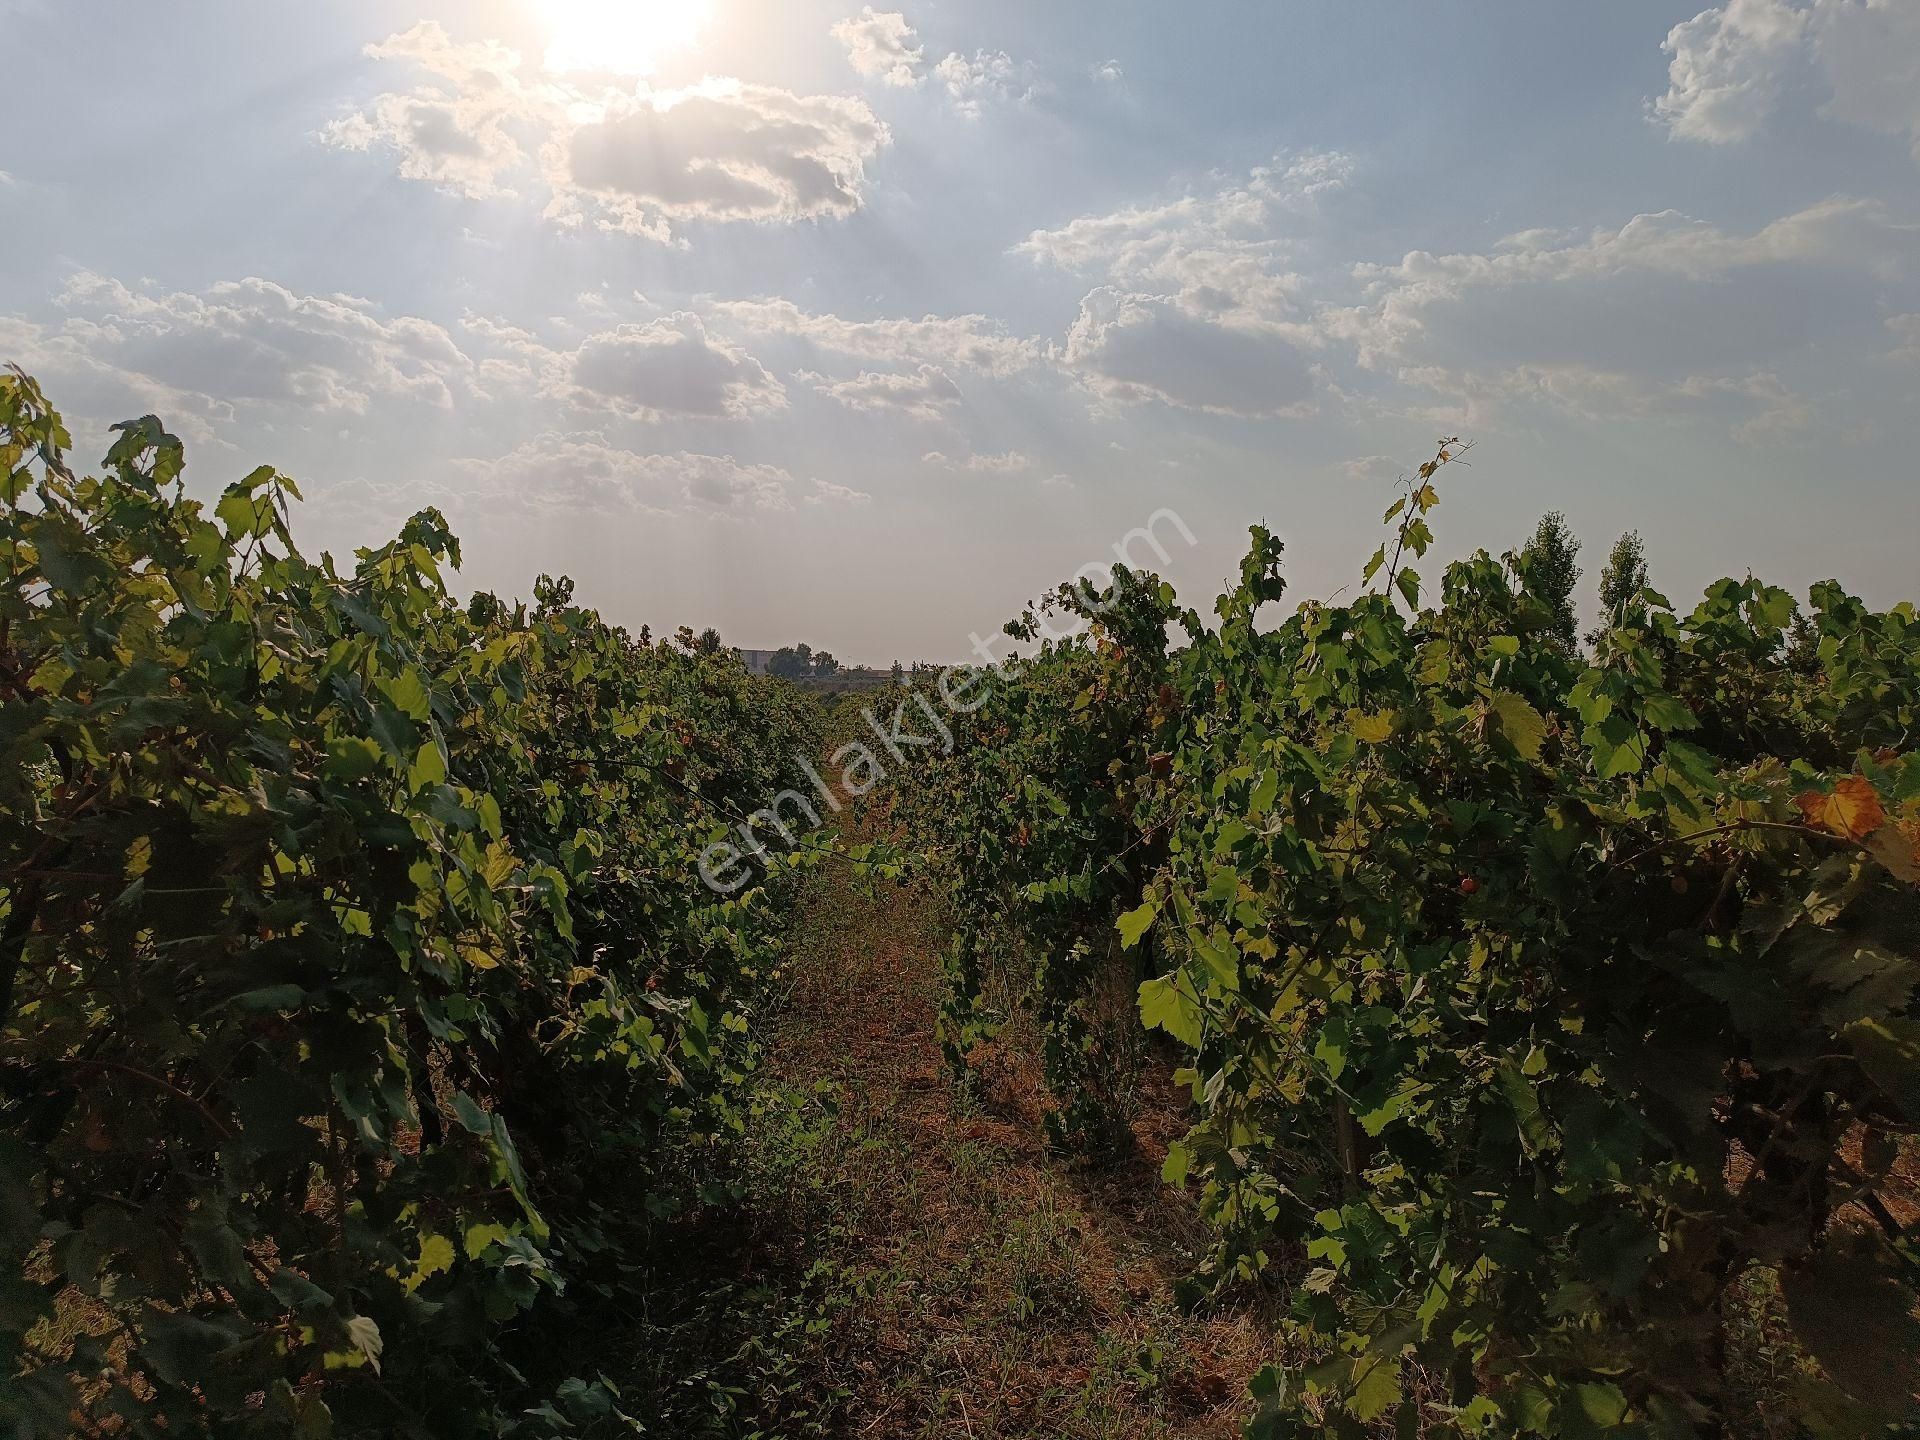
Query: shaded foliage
{"points": [[364, 1020], [1534, 1005]]}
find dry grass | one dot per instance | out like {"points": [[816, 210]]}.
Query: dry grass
{"points": [[1005, 1291]]}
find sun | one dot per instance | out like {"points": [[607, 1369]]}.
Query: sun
{"points": [[629, 37]]}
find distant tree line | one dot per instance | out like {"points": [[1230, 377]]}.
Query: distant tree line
{"points": [[802, 662]]}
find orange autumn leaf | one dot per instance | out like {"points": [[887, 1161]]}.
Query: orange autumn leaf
{"points": [[1852, 810]]}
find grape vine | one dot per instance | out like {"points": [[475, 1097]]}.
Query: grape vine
{"points": [[1532, 1003], [361, 1006]]}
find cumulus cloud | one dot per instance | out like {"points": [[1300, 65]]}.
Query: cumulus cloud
{"points": [[964, 342], [923, 393], [880, 44], [1666, 314], [1731, 65], [1219, 254], [1005, 462], [640, 161], [1131, 349], [459, 129], [826, 492], [203, 353], [1755, 406], [1726, 68], [668, 368], [973, 83], [1198, 308], [1233, 214], [1664, 284], [722, 151], [92, 392], [585, 471], [1137, 242]]}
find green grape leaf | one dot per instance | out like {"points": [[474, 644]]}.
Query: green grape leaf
{"points": [[1164, 1005], [1135, 923], [1519, 722]]}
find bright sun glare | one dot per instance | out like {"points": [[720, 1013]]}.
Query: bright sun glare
{"points": [[631, 37]]}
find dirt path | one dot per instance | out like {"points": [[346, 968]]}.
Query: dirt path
{"points": [[999, 1291]]}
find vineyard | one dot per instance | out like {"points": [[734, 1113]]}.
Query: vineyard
{"points": [[363, 1020], [1420, 1024]]}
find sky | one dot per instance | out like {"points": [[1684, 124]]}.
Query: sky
{"points": [[863, 326]]}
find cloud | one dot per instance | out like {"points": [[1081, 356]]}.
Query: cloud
{"points": [[1213, 257], [1730, 66], [881, 44], [1755, 406], [1109, 72], [661, 369], [1197, 309], [1218, 254], [1007, 462], [1869, 53], [825, 492], [1906, 332], [923, 393], [965, 342], [719, 151], [458, 130], [583, 471], [1134, 240], [1137, 243], [1668, 314], [1132, 349], [93, 393], [974, 83], [668, 367], [639, 161], [1726, 69], [241, 342], [1663, 286]]}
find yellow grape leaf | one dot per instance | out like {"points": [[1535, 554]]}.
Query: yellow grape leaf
{"points": [[500, 865], [1376, 1388], [478, 958], [436, 1256], [479, 1237], [1370, 728], [1852, 811]]}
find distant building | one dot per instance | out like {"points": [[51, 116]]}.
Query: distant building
{"points": [[847, 677]]}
